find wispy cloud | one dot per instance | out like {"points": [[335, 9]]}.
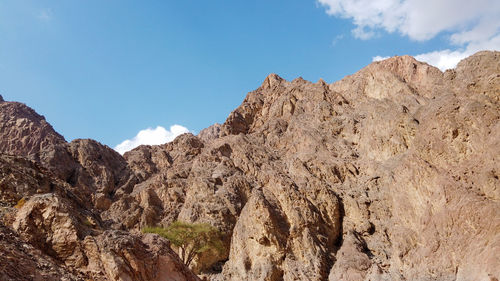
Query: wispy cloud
{"points": [[45, 14], [337, 39], [473, 25], [150, 136]]}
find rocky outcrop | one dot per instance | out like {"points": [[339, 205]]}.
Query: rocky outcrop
{"points": [[21, 261], [20, 177], [388, 174], [210, 133], [67, 235], [128, 257], [101, 173], [55, 236], [42, 201], [94, 170], [24, 132]]}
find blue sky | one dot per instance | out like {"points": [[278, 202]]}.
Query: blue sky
{"points": [[109, 69]]}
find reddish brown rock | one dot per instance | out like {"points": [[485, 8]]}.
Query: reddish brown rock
{"points": [[24, 132]]}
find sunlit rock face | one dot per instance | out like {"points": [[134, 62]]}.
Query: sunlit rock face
{"points": [[391, 173]]}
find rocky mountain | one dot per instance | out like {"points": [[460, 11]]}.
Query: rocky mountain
{"points": [[388, 174], [51, 197]]}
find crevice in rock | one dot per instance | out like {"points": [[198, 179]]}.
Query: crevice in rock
{"points": [[340, 239]]}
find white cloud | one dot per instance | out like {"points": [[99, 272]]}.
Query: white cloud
{"points": [[418, 19], [444, 59], [379, 58], [150, 136], [472, 25], [447, 59], [45, 14], [363, 33]]}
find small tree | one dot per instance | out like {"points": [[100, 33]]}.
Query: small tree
{"points": [[192, 239]]}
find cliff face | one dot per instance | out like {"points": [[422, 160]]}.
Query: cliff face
{"points": [[388, 174]]}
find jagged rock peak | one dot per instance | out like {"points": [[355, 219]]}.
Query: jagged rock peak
{"points": [[483, 57], [271, 81], [322, 82], [299, 80], [479, 74], [402, 60], [480, 64], [25, 132], [406, 65], [1, 98]]}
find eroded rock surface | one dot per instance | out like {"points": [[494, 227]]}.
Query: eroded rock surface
{"points": [[50, 224], [382, 175], [391, 173], [24, 132], [21, 261]]}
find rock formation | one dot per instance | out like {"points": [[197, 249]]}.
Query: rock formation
{"points": [[56, 232], [388, 174], [24, 132]]}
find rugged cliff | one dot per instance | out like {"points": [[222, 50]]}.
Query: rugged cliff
{"points": [[388, 174]]}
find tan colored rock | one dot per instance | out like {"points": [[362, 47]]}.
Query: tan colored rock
{"points": [[46, 221], [210, 133], [126, 257], [56, 237], [49, 223], [261, 255], [391, 173], [21, 261], [352, 260], [338, 165]]}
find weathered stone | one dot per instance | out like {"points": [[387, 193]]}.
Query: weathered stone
{"points": [[391, 173], [24, 132]]}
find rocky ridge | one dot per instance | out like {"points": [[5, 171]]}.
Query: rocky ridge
{"points": [[387, 174], [50, 229]]}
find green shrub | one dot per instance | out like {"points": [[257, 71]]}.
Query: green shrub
{"points": [[191, 239]]}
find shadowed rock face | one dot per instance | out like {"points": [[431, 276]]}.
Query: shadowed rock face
{"points": [[391, 173]]}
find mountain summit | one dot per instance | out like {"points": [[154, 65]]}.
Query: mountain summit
{"points": [[391, 173]]}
